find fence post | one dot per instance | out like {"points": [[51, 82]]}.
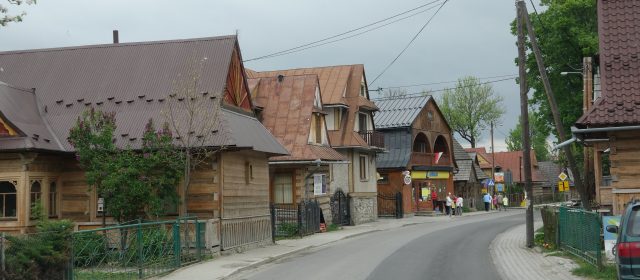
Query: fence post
{"points": [[140, 250], [198, 241], [2, 239], [176, 243], [273, 223], [300, 205]]}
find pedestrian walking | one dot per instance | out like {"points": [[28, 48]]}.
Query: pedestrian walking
{"points": [[505, 202], [459, 203], [487, 201], [494, 201], [499, 201], [448, 204]]}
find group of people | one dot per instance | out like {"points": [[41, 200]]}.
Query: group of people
{"points": [[498, 202], [453, 205]]}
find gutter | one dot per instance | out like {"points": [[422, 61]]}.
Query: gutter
{"points": [[308, 162], [576, 131]]}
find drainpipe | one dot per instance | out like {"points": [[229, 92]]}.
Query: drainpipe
{"points": [[577, 131]]}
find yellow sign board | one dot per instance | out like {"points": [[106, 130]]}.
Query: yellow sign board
{"points": [[563, 186], [430, 174]]}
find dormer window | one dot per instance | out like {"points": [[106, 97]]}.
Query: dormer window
{"points": [[318, 124], [363, 88]]}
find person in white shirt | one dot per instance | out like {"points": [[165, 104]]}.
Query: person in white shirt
{"points": [[459, 204], [448, 204]]}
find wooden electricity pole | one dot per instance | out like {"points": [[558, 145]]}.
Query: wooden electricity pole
{"points": [[554, 107], [524, 119], [493, 162]]}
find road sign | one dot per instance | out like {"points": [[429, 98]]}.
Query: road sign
{"points": [[563, 176], [407, 180], [563, 186], [490, 183], [500, 187]]}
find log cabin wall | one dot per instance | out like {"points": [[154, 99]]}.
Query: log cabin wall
{"points": [[203, 199], [625, 163]]}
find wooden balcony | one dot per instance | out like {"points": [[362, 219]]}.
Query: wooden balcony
{"points": [[426, 159], [373, 138]]}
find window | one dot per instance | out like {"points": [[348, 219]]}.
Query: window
{"points": [[8, 200], [430, 115], [283, 188], [336, 118], [362, 122], [363, 88], [36, 194], [364, 174], [318, 124], [319, 184], [53, 204], [248, 172], [384, 179]]}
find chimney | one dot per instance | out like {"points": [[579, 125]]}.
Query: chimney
{"points": [[115, 37]]}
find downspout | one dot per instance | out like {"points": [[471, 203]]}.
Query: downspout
{"points": [[576, 131]]}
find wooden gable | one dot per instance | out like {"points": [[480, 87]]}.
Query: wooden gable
{"points": [[236, 92], [6, 129]]}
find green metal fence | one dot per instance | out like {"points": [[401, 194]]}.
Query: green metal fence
{"points": [[137, 251], [579, 234]]}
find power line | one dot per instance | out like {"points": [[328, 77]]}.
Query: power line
{"points": [[410, 42], [343, 38], [439, 83], [313, 44], [430, 92]]}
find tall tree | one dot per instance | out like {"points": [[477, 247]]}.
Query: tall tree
{"points": [[470, 108], [566, 31], [135, 183], [538, 139], [6, 18]]}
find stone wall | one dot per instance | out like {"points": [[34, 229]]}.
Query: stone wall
{"points": [[364, 208]]}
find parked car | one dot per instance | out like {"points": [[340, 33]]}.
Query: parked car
{"points": [[627, 249]]}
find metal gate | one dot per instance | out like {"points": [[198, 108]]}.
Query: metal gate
{"points": [[295, 219], [340, 209], [390, 205]]}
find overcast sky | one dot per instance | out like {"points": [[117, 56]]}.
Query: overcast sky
{"points": [[467, 37]]}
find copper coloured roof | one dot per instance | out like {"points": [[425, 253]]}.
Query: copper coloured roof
{"points": [[619, 41], [288, 106], [134, 81], [512, 161]]}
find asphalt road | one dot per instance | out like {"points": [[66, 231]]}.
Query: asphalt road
{"points": [[453, 249]]}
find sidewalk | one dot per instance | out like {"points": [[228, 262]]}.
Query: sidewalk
{"points": [[224, 266], [514, 260]]}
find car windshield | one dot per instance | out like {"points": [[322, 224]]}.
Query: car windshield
{"points": [[634, 221]]}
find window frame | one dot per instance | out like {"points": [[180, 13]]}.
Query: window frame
{"points": [[3, 206], [53, 199], [274, 190], [364, 171]]}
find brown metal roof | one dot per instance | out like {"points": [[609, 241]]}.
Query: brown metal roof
{"points": [[288, 108], [340, 85], [134, 81], [20, 109], [619, 41]]}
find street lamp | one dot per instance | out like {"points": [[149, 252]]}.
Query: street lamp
{"points": [[567, 73]]}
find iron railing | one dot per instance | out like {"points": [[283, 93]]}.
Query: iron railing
{"points": [[579, 234], [295, 219], [390, 205], [137, 251], [340, 210]]}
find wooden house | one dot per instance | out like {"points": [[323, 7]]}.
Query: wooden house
{"points": [[291, 109], [468, 179], [611, 126], [418, 140], [50, 88], [351, 131]]}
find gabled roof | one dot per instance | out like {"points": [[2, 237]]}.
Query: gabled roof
{"points": [[21, 112], [512, 161], [134, 81], [334, 81], [463, 161], [288, 108], [484, 158], [398, 143], [619, 42], [398, 112], [549, 171]]}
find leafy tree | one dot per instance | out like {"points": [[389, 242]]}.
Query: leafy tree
{"points": [[133, 182], [538, 138], [6, 18], [566, 31], [470, 108]]}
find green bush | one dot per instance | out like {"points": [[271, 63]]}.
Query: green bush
{"points": [[43, 255], [155, 243], [289, 229]]}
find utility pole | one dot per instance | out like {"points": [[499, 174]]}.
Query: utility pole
{"points": [[493, 161], [584, 196], [587, 92], [524, 119]]}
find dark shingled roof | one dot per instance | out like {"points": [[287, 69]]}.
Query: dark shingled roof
{"points": [[463, 161], [398, 143], [133, 80], [619, 41], [398, 112], [549, 171]]}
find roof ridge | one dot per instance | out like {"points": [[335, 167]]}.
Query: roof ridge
{"points": [[132, 44], [16, 87], [317, 67]]}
